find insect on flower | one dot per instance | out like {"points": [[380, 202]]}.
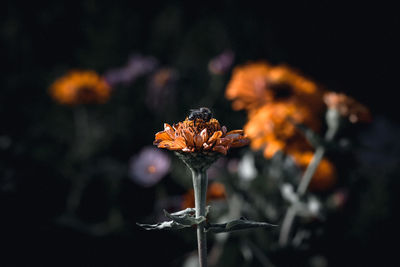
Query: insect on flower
{"points": [[204, 136], [203, 113]]}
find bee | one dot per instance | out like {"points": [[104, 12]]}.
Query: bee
{"points": [[202, 113]]}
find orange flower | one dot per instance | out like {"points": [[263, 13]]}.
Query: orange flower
{"points": [[188, 136], [325, 176], [347, 107], [256, 84], [216, 191], [272, 127], [80, 87]]}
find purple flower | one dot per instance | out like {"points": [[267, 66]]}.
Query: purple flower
{"points": [[136, 66], [221, 63], [149, 166], [161, 89]]}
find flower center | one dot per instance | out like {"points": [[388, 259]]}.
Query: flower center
{"points": [[151, 169]]}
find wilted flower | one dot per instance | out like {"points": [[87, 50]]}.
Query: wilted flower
{"points": [[80, 87], [137, 66], [256, 84], [272, 127], [161, 88], [325, 176], [199, 136], [221, 63], [347, 107], [215, 191], [149, 166]]}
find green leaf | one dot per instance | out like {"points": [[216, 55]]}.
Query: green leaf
{"points": [[186, 219], [236, 225], [163, 225], [180, 219]]}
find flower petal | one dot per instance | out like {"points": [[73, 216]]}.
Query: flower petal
{"points": [[171, 145], [162, 136], [214, 137], [198, 141], [224, 141], [169, 130], [204, 135], [180, 141], [188, 137], [224, 130], [221, 149], [240, 142], [235, 132]]}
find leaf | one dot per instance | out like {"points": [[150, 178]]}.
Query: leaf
{"points": [[236, 225], [185, 219], [163, 225], [180, 219]]}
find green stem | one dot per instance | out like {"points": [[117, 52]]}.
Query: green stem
{"points": [[302, 188], [311, 168], [200, 193]]}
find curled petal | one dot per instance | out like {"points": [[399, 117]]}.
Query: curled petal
{"points": [[204, 135], [224, 130], [169, 130], [171, 145], [224, 141], [198, 141], [214, 137], [240, 142], [180, 141], [161, 136], [188, 137], [233, 136], [207, 146], [235, 132], [221, 149]]}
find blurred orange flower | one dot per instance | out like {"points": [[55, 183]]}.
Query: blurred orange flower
{"points": [[347, 107], [80, 87], [256, 84], [202, 136], [216, 191], [272, 127], [325, 177]]}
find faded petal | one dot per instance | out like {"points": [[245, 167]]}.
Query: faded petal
{"points": [[224, 130], [188, 137], [221, 149], [235, 132], [198, 141], [224, 142], [180, 141], [169, 130], [204, 135], [214, 137], [240, 142]]}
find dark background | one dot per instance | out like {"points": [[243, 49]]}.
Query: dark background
{"points": [[346, 46]]}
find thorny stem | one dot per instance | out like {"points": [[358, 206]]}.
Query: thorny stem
{"points": [[302, 188], [200, 193]]}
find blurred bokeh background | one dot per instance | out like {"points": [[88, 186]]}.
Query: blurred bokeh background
{"points": [[68, 192]]}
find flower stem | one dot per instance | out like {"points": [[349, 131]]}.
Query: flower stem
{"points": [[311, 168], [200, 193], [302, 188]]}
